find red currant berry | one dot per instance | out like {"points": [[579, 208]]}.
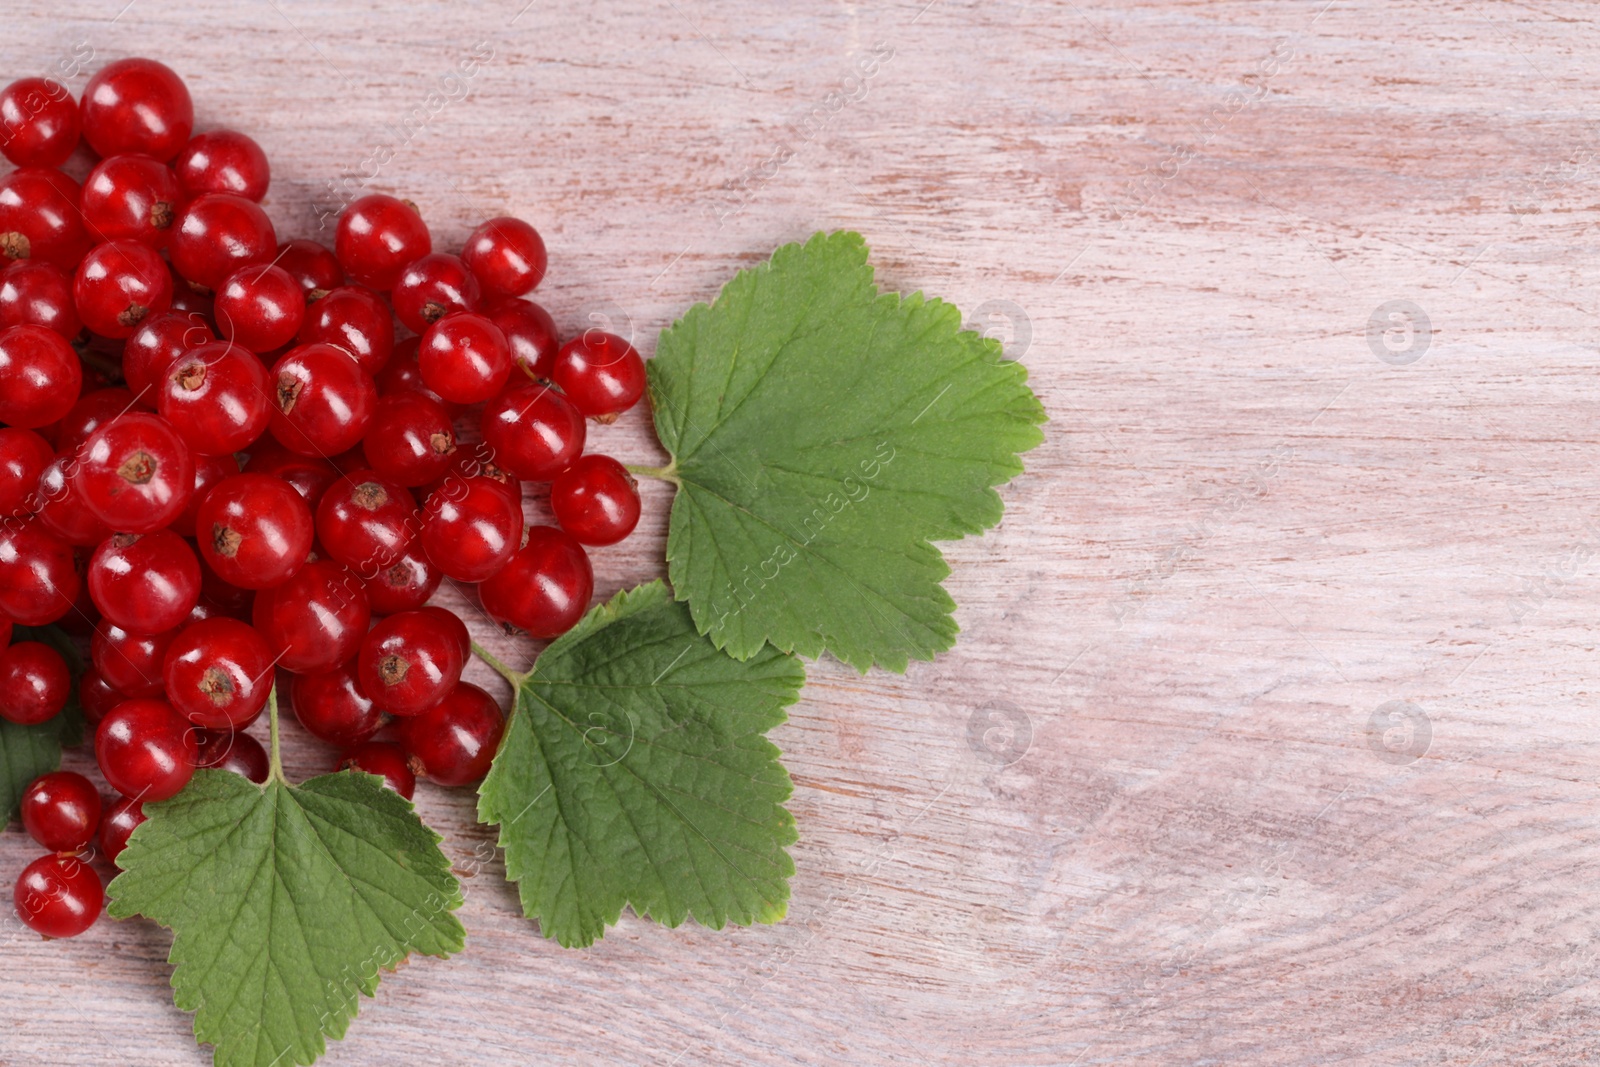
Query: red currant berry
{"points": [[354, 319], [410, 440], [223, 161], [39, 124], [135, 473], [464, 358], [408, 662], [145, 749], [39, 218], [137, 105], [312, 265], [61, 811], [534, 431], [130, 663], [333, 707], [97, 696], [403, 375], [61, 507], [23, 457], [453, 623], [254, 530], [120, 821], [145, 583], [431, 288], [260, 307], [546, 587], [383, 758], [596, 500], [530, 333], [377, 236], [236, 751], [366, 522], [507, 256], [471, 527], [215, 396], [454, 741], [156, 345], [601, 373], [219, 233], [36, 293], [118, 284], [323, 400], [208, 471], [404, 585], [58, 896], [316, 619], [131, 198], [310, 475], [39, 376], [34, 683], [217, 673], [38, 582]]}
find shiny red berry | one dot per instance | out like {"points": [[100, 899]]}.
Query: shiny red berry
{"points": [[40, 376], [377, 236], [34, 292], [471, 527], [235, 751], [530, 333], [314, 621], [432, 287], [408, 662], [156, 345], [135, 473], [23, 457], [217, 673], [411, 439], [260, 307], [464, 358], [453, 623], [333, 707], [38, 581], [216, 397], [217, 234], [601, 373], [322, 400], [254, 530], [311, 264], [34, 683], [137, 105], [545, 588], [536, 433], [145, 749], [131, 198], [507, 256], [383, 758], [61, 506], [366, 522], [130, 663], [145, 583], [355, 319], [455, 741], [118, 284], [39, 124], [61, 811], [40, 218], [223, 161], [58, 896], [121, 820], [404, 585], [596, 500]]}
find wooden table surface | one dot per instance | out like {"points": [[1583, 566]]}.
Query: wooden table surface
{"points": [[1271, 736]]}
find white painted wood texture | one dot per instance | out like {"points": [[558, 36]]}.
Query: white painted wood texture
{"points": [[1245, 534]]}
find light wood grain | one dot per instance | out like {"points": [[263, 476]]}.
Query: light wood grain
{"points": [[1244, 534]]}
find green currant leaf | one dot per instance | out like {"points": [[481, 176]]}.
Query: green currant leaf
{"points": [[285, 902], [26, 752], [635, 771], [823, 434]]}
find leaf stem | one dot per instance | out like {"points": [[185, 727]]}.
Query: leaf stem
{"points": [[275, 755], [669, 473], [505, 672]]}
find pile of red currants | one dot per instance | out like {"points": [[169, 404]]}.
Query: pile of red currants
{"points": [[222, 457]]}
